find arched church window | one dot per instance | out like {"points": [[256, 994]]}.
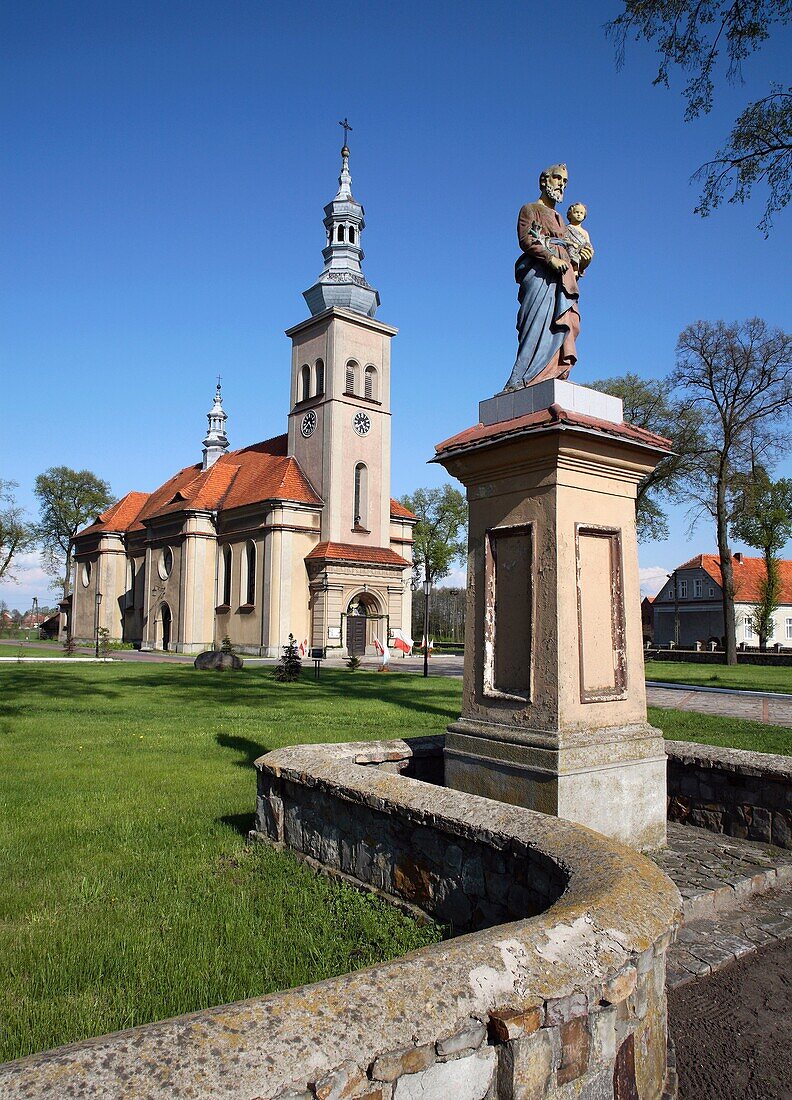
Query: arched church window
{"points": [[319, 369], [371, 383], [305, 383], [361, 496], [227, 564], [352, 377], [351, 234], [250, 563], [85, 576], [340, 233]]}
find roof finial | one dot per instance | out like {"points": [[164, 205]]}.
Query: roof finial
{"points": [[347, 129]]}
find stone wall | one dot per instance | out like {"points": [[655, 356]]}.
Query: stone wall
{"points": [[566, 1002], [741, 794]]}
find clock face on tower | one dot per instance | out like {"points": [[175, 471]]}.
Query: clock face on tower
{"points": [[361, 423], [308, 423]]}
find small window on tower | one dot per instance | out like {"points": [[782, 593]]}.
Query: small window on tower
{"points": [[305, 383], [352, 377], [340, 233], [351, 234], [370, 389], [360, 517], [319, 377]]}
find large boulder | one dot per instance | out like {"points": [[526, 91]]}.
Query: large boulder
{"points": [[214, 658]]}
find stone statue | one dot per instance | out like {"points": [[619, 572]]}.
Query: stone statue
{"points": [[577, 236], [547, 320]]}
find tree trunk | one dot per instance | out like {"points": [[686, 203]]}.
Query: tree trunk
{"points": [[67, 575], [727, 572]]}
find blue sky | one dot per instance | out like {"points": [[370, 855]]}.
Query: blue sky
{"points": [[164, 174]]}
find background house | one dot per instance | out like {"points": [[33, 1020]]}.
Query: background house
{"points": [[689, 609]]}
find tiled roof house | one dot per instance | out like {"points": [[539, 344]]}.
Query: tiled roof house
{"points": [[689, 609]]}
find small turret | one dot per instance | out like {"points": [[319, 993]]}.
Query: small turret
{"points": [[216, 442]]}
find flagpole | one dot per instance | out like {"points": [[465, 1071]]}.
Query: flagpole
{"points": [[427, 587]]}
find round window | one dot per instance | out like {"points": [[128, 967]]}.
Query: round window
{"points": [[165, 563], [86, 574]]}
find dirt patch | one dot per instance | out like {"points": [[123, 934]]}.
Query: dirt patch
{"points": [[733, 1031]]}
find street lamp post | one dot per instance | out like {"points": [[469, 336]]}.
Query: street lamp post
{"points": [[427, 588], [97, 601]]}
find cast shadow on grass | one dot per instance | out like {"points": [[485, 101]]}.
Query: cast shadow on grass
{"points": [[240, 823], [250, 750]]}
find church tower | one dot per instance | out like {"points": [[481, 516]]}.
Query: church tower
{"points": [[340, 420]]}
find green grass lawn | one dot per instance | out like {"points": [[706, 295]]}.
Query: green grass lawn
{"points": [[745, 677], [127, 891], [734, 733]]}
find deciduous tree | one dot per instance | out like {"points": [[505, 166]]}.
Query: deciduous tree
{"points": [[739, 378], [440, 535], [68, 499], [696, 36], [647, 404], [763, 519], [16, 535]]}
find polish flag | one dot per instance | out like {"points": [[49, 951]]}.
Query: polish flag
{"points": [[382, 651], [302, 649], [431, 646], [402, 641]]}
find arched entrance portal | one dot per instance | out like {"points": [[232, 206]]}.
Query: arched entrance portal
{"points": [[166, 621], [362, 617]]}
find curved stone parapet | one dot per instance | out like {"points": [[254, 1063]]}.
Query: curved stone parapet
{"points": [[567, 999]]}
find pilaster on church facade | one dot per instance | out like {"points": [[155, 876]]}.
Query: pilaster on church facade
{"points": [[295, 535]]}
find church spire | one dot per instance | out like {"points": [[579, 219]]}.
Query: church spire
{"points": [[342, 282], [216, 442]]}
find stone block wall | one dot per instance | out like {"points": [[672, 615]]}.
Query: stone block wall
{"points": [[566, 1000], [742, 794]]}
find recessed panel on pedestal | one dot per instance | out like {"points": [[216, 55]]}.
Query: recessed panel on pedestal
{"points": [[600, 598], [508, 613]]}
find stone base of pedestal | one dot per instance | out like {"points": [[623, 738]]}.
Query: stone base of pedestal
{"points": [[612, 780]]}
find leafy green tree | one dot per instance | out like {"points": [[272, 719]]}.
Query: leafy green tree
{"points": [[739, 378], [68, 499], [763, 519], [440, 535], [16, 535], [697, 36], [647, 404]]}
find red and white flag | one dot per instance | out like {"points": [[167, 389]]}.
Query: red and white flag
{"points": [[382, 651], [431, 646], [303, 648], [402, 642]]}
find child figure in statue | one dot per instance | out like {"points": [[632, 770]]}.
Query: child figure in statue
{"points": [[576, 236]]}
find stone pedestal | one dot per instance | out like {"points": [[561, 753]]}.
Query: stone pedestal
{"points": [[554, 705]]}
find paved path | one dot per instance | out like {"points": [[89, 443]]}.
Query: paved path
{"points": [[757, 706], [737, 897]]}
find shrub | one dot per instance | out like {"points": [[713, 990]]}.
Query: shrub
{"points": [[104, 641], [353, 663], [226, 645]]}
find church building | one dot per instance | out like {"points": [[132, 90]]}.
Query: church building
{"points": [[297, 534]]}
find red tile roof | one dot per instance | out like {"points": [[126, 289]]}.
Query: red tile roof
{"points": [[341, 551], [253, 474], [748, 575], [480, 433], [119, 516], [398, 511]]}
